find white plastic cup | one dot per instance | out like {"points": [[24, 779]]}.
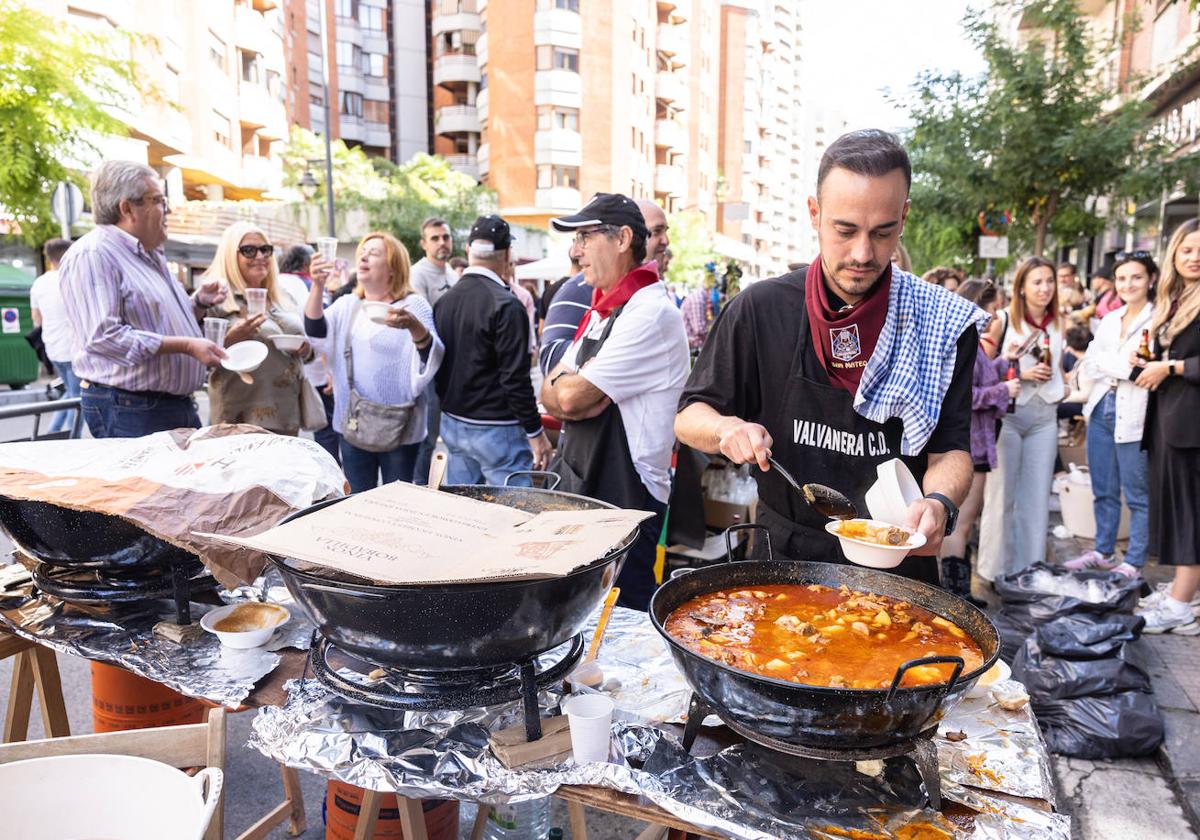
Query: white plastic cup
{"points": [[215, 329], [590, 717], [256, 302], [327, 247]]}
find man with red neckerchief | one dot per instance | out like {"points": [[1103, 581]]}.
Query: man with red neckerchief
{"points": [[617, 385], [842, 365]]}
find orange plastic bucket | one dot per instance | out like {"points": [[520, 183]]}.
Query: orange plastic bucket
{"points": [[121, 701], [342, 803]]}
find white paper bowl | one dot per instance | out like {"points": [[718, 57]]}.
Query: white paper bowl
{"points": [[288, 343], [244, 357], [242, 639], [998, 673], [894, 490], [376, 310], [871, 554]]}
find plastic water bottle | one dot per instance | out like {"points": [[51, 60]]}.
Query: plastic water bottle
{"points": [[528, 820]]}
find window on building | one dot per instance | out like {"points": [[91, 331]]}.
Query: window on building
{"points": [[552, 117], [316, 97], [558, 176], [250, 66], [222, 131], [349, 56], [567, 5], [371, 17], [376, 111], [351, 104], [275, 85], [216, 51], [345, 8], [454, 7], [557, 58]]}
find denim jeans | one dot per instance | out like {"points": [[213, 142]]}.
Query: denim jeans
{"points": [[327, 438], [433, 419], [363, 469], [62, 419], [1117, 467], [1016, 514], [482, 454], [114, 413]]}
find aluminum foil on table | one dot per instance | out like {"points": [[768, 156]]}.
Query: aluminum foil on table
{"points": [[742, 791], [202, 668]]}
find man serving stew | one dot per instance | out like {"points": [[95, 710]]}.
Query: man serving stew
{"points": [[843, 364]]}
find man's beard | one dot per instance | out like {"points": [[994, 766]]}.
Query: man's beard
{"points": [[854, 286]]}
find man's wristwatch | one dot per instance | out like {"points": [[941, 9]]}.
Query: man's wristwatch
{"points": [[951, 510]]}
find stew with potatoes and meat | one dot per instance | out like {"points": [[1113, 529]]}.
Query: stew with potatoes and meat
{"points": [[816, 635]]}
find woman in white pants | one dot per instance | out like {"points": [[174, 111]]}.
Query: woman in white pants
{"points": [[1015, 519]]}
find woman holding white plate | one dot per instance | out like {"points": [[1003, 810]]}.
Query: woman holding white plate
{"points": [[383, 352], [257, 311]]}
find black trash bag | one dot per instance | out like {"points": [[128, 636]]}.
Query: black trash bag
{"points": [[1053, 678], [1041, 593], [1088, 636], [1124, 725], [1013, 633]]}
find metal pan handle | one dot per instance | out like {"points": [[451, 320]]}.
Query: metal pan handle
{"points": [[745, 526], [343, 592], [956, 661], [546, 474]]}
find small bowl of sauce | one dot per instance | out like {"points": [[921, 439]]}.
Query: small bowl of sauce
{"points": [[247, 625]]}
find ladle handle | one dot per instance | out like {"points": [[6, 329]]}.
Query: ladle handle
{"points": [[745, 526], [437, 470], [553, 479], [956, 661]]}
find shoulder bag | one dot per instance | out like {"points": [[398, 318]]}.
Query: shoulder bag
{"points": [[371, 426]]}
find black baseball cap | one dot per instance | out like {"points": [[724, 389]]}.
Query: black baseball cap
{"points": [[606, 209], [491, 229]]}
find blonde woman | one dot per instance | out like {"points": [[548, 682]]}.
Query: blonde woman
{"points": [[1172, 434], [245, 260], [1012, 533], [391, 363]]}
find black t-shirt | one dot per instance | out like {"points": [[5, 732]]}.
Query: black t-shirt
{"points": [[753, 341]]}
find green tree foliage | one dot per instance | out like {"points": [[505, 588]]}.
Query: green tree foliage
{"points": [[396, 197], [1041, 135], [691, 250], [59, 88]]}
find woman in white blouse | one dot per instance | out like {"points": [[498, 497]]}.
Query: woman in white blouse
{"points": [[393, 362], [1116, 411]]}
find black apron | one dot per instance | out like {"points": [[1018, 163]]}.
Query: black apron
{"points": [[594, 460], [820, 438]]}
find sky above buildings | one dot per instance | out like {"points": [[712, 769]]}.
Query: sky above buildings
{"points": [[855, 49]]}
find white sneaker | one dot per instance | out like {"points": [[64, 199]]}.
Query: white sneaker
{"points": [[1164, 618], [1161, 592]]}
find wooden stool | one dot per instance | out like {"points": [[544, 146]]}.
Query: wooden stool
{"points": [[34, 668]]}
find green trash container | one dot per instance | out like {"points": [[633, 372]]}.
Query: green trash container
{"points": [[18, 363]]}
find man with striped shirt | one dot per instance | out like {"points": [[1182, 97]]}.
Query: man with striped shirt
{"points": [[143, 353]]}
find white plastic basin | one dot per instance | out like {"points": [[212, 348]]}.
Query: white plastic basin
{"points": [[105, 797]]}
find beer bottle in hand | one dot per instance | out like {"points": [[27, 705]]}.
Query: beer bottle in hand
{"points": [[1045, 358], [1013, 373], [1143, 351]]}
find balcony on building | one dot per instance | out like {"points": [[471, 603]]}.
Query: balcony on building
{"points": [[671, 43], [251, 30], [456, 119], [481, 104], [669, 133], [557, 87], [671, 88], [670, 179], [558, 200], [558, 146], [460, 21], [466, 164], [481, 49], [456, 70], [671, 11], [560, 27], [482, 158]]}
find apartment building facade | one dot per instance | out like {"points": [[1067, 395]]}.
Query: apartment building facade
{"points": [[367, 60]]}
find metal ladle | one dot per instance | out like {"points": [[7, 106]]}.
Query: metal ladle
{"points": [[824, 500]]}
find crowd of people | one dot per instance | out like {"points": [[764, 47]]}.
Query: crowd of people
{"points": [[830, 370], [1121, 354]]}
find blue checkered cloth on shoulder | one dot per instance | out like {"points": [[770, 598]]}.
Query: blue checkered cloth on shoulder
{"points": [[910, 371]]}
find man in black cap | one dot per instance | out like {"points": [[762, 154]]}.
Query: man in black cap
{"points": [[490, 420], [619, 382]]}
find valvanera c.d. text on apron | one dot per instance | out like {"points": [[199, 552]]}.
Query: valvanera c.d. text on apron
{"points": [[819, 437], [594, 460]]}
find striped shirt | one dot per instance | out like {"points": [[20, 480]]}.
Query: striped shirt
{"points": [[567, 308], [121, 301]]}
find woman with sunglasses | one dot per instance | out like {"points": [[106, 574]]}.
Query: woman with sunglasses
{"points": [[1116, 411], [271, 399], [1172, 433], [1012, 532]]}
